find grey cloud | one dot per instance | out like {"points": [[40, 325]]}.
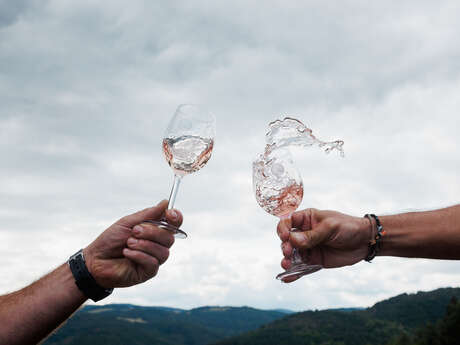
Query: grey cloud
{"points": [[11, 10], [87, 91]]}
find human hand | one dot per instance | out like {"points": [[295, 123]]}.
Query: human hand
{"points": [[327, 238], [128, 252]]}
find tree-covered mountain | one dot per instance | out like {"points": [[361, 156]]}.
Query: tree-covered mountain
{"points": [[444, 332], [414, 309], [385, 322], [134, 325], [405, 319]]}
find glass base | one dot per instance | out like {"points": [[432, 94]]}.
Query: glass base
{"points": [[178, 233], [298, 271]]}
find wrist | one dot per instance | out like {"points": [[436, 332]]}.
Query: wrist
{"points": [[392, 240], [369, 228], [366, 231], [91, 261], [84, 280], [88, 255], [377, 233]]}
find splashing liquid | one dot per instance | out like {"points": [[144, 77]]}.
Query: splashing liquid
{"points": [[277, 183], [292, 132]]}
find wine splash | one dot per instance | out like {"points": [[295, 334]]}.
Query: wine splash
{"points": [[292, 132], [277, 184]]}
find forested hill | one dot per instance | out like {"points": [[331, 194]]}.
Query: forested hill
{"points": [[129, 324], [396, 321], [415, 309]]}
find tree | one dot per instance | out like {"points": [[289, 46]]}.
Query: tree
{"points": [[449, 328], [428, 335]]}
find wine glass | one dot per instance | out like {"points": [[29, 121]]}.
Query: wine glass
{"points": [[278, 188], [187, 146]]}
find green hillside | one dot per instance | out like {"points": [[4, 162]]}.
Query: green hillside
{"points": [[396, 321], [403, 315], [128, 324], [443, 332], [415, 309]]}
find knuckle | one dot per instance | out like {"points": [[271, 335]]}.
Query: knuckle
{"points": [[283, 248], [148, 228], [138, 244], [330, 223], [169, 240], [150, 273], [124, 220], [145, 245], [311, 211], [285, 235], [155, 271], [307, 240], [313, 215], [137, 255], [278, 228], [164, 256], [150, 263], [286, 248], [154, 267], [154, 262]]}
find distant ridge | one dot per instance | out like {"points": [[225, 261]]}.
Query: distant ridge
{"points": [[346, 310], [121, 324], [124, 307], [285, 311]]}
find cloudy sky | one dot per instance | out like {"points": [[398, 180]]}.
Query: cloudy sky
{"points": [[87, 89]]}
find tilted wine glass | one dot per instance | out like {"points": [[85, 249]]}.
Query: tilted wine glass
{"points": [[278, 188], [187, 146]]}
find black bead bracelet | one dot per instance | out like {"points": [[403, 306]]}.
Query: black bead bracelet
{"points": [[375, 243]]}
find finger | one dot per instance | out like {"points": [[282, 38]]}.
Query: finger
{"points": [[154, 213], [286, 263], [148, 264], [148, 247], [174, 217], [151, 232], [286, 248], [302, 219], [283, 228], [311, 238], [307, 219]]}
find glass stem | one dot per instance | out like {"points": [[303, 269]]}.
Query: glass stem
{"points": [[296, 259], [172, 196]]}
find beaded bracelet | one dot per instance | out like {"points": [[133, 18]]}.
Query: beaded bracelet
{"points": [[375, 242]]}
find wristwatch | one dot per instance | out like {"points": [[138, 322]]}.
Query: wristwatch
{"points": [[84, 280]]}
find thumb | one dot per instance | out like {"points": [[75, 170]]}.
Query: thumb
{"points": [[151, 213], [311, 238]]}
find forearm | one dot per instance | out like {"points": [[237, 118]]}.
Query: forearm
{"points": [[32, 313], [431, 234]]}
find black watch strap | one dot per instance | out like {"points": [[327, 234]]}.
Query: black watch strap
{"points": [[84, 280]]}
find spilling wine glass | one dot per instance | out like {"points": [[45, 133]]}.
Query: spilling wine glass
{"points": [[187, 146], [278, 188]]}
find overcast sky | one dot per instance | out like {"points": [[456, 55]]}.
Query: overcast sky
{"points": [[87, 89]]}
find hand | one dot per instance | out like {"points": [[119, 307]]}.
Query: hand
{"points": [[129, 253], [327, 238]]}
